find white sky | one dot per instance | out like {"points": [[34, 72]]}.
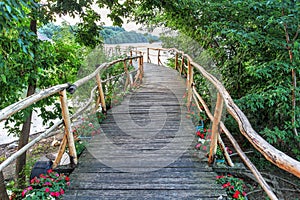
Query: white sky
{"points": [[103, 12], [131, 26]]}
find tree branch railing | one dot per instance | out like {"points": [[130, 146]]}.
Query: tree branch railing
{"points": [[272, 154], [62, 90]]}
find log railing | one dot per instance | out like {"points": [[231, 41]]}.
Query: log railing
{"points": [[272, 154], [62, 90]]}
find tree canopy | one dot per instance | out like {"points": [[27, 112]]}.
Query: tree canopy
{"points": [[255, 46]]}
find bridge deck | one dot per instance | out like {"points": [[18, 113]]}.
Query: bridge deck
{"points": [[145, 149]]}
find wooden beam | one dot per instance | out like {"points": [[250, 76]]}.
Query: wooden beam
{"points": [[148, 56], [141, 71], [130, 61], [210, 116], [158, 58], [28, 101], [272, 154], [176, 61], [243, 156], [215, 129], [101, 93], [127, 75], [61, 151], [182, 64], [67, 123], [190, 80]]}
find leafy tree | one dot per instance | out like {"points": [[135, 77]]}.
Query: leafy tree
{"points": [[49, 29], [25, 61], [255, 45]]}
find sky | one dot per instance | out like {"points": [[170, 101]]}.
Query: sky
{"points": [[103, 12], [131, 26]]}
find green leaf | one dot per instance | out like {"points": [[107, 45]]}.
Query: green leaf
{"points": [[8, 8], [3, 77]]}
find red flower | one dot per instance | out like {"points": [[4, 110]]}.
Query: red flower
{"points": [[62, 191], [49, 171], [30, 188], [42, 176], [67, 179], [236, 194], [204, 148], [226, 185], [24, 193], [219, 177], [47, 190], [55, 194]]}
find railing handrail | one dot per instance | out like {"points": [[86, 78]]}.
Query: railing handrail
{"points": [[272, 154], [277, 157], [28, 101]]}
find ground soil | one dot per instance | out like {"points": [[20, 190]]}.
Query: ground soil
{"points": [[37, 152]]}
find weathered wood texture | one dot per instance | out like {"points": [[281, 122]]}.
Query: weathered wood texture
{"points": [[145, 149]]}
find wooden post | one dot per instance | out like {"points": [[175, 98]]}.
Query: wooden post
{"points": [[182, 64], [158, 57], [130, 61], [148, 56], [225, 153], [68, 132], [61, 151], [102, 98], [127, 75], [176, 61], [189, 85], [215, 129], [141, 69], [97, 103]]}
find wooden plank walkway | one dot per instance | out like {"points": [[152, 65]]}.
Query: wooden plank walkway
{"points": [[145, 149]]}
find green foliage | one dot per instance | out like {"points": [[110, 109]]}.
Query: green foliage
{"points": [[49, 30], [47, 186], [235, 187], [249, 43], [117, 35]]}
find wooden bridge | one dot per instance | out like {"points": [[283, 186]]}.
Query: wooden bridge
{"points": [[145, 149], [148, 151]]}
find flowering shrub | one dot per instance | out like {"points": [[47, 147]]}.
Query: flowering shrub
{"points": [[47, 186], [235, 187], [88, 127], [204, 136]]}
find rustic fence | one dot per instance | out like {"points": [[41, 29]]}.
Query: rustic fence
{"points": [[275, 156], [68, 139]]}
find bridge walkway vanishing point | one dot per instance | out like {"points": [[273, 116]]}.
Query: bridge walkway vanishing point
{"points": [[146, 148]]}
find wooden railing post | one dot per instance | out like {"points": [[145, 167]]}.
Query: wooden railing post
{"points": [[127, 75], [141, 70], [158, 57], [130, 61], [215, 129], [68, 138], [176, 61], [182, 64], [101, 93], [148, 55], [189, 85]]}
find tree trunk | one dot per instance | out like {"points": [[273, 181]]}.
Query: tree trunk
{"points": [[3, 193], [24, 136], [23, 140]]}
